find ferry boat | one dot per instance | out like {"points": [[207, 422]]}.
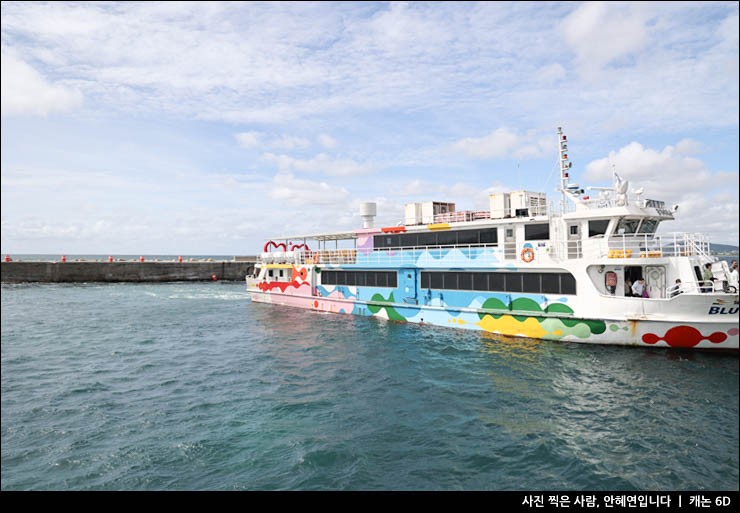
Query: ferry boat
{"points": [[524, 268]]}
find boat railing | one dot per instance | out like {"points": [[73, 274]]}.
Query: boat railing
{"points": [[400, 256], [632, 246], [462, 216], [704, 286], [652, 246]]}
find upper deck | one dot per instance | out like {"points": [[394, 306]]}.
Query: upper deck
{"points": [[592, 224]]}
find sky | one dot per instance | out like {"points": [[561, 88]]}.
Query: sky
{"points": [[207, 128]]}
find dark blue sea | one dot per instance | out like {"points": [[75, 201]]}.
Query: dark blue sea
{"points": [[188, 386]]}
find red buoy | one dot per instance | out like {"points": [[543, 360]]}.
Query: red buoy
{"points": [[64, 258], [213, 277], [110, 259], [179, 259], [141, 259], [7, 258]]}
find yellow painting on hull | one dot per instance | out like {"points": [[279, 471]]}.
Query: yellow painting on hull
{"points": [[508, 325]]}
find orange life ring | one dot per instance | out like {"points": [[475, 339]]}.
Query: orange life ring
{"points": [[527, 254]]}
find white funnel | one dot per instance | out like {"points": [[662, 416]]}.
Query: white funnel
{"points": [[368, 211]]}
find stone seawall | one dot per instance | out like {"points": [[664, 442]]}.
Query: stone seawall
{"points": [[19, 272]]}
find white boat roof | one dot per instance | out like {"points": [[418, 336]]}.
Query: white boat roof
{"points": [[322, 236]]}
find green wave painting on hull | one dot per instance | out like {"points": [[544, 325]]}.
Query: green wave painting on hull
{"points": [[391, 312], [536, 326]]}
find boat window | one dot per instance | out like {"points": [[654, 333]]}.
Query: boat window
{"points": [[270, 273], [427, 239], [649, 225], [532, 282], [539, 231], [480, 281], [447, 238], [567, 284], [597, 227], [407, 240], [467, 237], [514, 282], [440, 238], [450, 280], [436, 281], [627, 226], [497, 282], [360, 278], [465, 281], [574, 229], [381, 279], [489, 236], [550, 283]]}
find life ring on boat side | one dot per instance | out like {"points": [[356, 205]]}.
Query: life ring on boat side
{"points": [[527, 254]]}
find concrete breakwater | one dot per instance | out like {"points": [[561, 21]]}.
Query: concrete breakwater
{"points": [[127, 271]]}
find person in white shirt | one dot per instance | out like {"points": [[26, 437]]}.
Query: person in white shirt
{"points": [[638, 288], [733, 274]]}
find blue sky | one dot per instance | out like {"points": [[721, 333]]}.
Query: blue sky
{"points": [[207, 127]]}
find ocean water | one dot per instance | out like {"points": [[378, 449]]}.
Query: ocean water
{"points": [[186, 386]]}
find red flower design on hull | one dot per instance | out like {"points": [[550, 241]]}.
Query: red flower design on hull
{"points": [[684, 337]]}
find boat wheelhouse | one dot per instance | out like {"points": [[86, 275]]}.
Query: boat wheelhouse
{"points": [[524, 268]]}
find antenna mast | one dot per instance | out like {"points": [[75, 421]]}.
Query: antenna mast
{"points": [[565, 165]]}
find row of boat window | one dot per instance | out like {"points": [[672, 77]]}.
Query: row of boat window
{"points": [[360, 278], [532, 231], [535, 231], [441, 238], [536, 283]]}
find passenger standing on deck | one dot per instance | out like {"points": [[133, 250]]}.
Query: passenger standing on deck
{"points": [[733, 278], [708, 277], [638, 288], [676, 289]]}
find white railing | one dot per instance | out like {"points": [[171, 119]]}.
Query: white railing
{"points": [[472, 255], [462, 216], [632, 246], [700, 286], [649, 246], [627, 246]]}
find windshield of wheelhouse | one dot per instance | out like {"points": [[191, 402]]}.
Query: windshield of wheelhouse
{"points": [[627, 226], [648, 226], [631, 226]]}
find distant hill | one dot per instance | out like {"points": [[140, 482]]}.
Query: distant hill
{"points": [[724, 248]]}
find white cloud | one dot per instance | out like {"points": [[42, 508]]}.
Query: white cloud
{"points": [[288, 142], [26, 91], [650, 167], [263, 63], [254, 139], [321, 163], [248, 139], [394, 82], [299, 192], [603, 32], [707, 201], [552, 72], [326, 141], [504, 143], [688, 147]]}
